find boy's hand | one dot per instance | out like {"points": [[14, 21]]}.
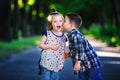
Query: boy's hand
{"points": [[77, 66], [61, 67]]}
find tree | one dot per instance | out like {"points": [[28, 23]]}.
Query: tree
{"points": [[24, 16], [5, 26], [40, 22], [15, 19], [116, 12]]}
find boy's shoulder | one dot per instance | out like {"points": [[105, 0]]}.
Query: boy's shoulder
{"points": [[78, 34]]}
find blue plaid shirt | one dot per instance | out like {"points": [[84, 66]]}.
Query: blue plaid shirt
{"points": [[81, 49]]}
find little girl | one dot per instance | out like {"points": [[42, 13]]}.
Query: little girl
{"points": [[52, 44]]}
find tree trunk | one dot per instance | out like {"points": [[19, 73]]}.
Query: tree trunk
{"points": [[24, 20], [30, 21], [15, 20], [37, 18], [116, 12], [103, 17], [5, 27]]}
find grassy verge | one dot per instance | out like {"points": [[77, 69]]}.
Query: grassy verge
{"points": [[17, 45]]}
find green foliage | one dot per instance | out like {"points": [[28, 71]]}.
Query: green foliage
{"points": [[107, 34], [95, 30], [31, 2], [109, 30], [17, 45], [20, 4]]}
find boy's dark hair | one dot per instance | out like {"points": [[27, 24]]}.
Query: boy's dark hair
{"points": [[75, 18]]}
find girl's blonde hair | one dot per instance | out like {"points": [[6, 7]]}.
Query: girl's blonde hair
{"points": [[49, 18]]}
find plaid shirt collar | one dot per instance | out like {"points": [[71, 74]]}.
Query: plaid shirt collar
{"points": [[72, 31]]}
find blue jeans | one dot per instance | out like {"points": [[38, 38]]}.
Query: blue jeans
{"points": [[90, 74], [48, 75]]}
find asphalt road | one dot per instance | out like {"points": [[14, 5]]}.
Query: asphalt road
{"points": [[24, 65]]}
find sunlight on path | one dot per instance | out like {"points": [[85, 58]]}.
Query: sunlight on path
{"points": [[108, 54], [112, 62]]}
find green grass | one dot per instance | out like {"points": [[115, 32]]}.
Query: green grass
{"points": [[17, 45]]}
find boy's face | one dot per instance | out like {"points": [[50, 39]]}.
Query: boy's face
{"points": [[67, 24]]}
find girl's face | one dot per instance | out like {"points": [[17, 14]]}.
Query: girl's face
{"points": [[57, 22], [66, 24]]}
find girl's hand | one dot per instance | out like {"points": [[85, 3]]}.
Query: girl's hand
{"points": [[54, 47], [66, 55]]}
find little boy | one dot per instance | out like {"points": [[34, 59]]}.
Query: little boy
{"points": [[85, 60]]}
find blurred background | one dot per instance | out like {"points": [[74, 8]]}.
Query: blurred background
{"points": [[22, 21]]}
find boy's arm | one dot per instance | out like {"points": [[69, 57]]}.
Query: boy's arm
{"points": [[79, 48], [79, 52]]}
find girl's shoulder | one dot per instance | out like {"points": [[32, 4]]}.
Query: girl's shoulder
{"points": [[45, 32]]}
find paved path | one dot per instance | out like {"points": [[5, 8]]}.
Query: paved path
{"points": [[111, 60], [23, 65]]}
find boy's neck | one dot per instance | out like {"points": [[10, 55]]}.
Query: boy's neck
{"points": [[72, 28]]}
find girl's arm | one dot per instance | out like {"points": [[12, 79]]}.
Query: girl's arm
{"points": [[66, 55], [42, 44]]}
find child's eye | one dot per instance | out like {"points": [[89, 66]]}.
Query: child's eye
{"points": [[55, 21], [60, 21]]}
